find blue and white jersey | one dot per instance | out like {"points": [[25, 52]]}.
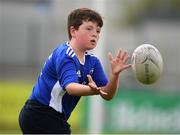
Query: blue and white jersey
{"points": [[60, 69]]}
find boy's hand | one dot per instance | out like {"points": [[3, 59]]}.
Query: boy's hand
{"points": [[118, 63], [94, 87]]}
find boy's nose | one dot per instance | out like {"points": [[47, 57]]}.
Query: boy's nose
{"points": [[95, 34]]}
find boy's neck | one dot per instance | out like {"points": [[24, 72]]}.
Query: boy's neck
{"points": [[78, 51]]}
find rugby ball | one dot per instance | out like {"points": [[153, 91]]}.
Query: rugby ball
{"points": [[147, 64]]}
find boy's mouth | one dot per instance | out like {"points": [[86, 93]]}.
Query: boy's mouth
{"points": [[93, 41]]}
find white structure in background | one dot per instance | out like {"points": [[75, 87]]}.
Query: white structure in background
{"points": [[96, 105]]}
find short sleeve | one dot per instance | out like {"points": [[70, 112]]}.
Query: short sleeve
{"points": [[66, 71]]}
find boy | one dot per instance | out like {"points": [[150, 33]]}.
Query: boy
{"points": [[69, 73]]}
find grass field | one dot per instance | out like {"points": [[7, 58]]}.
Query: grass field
{"points": [[12, 97]]}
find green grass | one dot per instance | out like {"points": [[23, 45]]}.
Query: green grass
{"points": [[12, 97]]}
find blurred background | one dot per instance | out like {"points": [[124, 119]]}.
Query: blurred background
{"points": [[30, 29]]}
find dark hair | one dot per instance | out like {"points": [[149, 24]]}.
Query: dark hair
{"points": [[77, 16]]}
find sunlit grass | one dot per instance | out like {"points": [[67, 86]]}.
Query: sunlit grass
{"points": [[12, 98], [13, 95]]}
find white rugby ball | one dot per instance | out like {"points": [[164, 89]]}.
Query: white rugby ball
{"points": [[147, 64]]}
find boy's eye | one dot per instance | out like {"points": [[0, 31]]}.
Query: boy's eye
{"points": [[89, 28], [98, 31]]}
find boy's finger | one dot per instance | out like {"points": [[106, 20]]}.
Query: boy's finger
{"points": [[92, 85], [119, 53], [127, 66], [110, 56], [126, 57], [102, 92], [90, 78], [124, 54]]}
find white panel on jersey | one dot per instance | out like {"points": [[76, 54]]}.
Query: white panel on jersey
{"points": [[56, 97]]}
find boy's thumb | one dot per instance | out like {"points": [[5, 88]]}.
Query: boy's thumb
{"points": [[89, 78]]}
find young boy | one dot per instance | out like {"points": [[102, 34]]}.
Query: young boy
{"points": [[69, 73]]}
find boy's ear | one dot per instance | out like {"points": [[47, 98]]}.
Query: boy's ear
{"points": [[72, 31]]}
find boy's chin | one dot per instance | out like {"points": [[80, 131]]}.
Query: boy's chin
{"points": [[90, 48]]}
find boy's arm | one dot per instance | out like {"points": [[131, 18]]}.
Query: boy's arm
{"points": [[76, 89], [118, 64]]}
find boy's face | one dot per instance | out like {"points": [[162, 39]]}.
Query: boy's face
{"points": [[87, 35]]}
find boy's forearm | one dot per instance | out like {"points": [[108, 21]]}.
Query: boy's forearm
{"points": [[111, 87], [76, 89]]}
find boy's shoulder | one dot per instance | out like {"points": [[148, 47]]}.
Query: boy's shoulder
{"points": [[61, 47], [64, 50]]}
